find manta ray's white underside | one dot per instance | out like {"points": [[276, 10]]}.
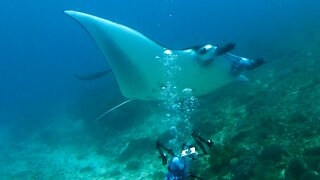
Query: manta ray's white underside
{"points": [[143, 68]]}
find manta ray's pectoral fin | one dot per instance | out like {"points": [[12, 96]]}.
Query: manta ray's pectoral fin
{"points": [[130, 55]]}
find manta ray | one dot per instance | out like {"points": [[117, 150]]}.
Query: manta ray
{"points": [[139, 63]]}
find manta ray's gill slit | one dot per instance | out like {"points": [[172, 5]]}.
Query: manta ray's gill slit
{"points": [[179, 106]]}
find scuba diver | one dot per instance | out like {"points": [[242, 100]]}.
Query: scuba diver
{"points": [[179, 165]]}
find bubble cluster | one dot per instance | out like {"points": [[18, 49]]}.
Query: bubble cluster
{"points": [[179, 104]]}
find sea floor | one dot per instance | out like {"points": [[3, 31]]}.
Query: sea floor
{"points": [[36, 158], [260, 151]]}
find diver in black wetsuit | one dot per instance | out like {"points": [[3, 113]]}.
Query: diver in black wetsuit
{"points": [[179, 166]]}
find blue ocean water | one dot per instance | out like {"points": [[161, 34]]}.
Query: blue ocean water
{"points": [[41, 49]]}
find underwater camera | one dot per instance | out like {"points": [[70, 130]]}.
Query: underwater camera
{"points": [[190, 152]]}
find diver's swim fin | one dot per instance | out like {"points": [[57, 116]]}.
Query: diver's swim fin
{"points": [[225, 49]]}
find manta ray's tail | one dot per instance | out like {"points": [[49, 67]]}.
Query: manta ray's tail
{"points": [[93, 76], [114, 108]]}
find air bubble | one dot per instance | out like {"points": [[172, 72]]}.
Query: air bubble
{"points": [[168, 52]]}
